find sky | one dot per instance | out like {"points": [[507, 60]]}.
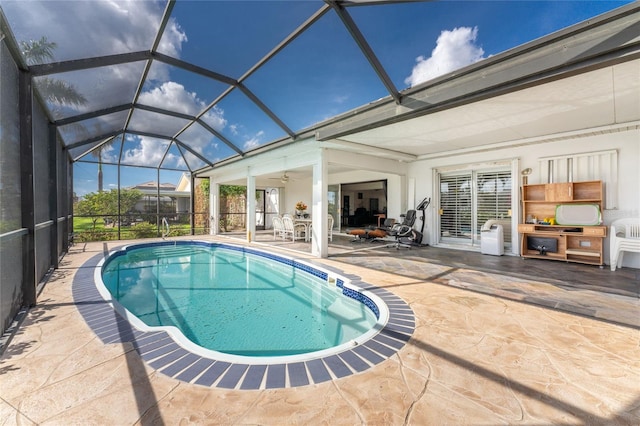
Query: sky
{"points": [[319, 75]]}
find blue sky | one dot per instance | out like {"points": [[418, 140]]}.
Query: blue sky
{"points": [[319, 75]]}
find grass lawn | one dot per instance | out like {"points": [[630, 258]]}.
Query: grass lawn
{"points": [[82, 224], [83, 228]]}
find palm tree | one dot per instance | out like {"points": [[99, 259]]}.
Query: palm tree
{"points": [[57, 92]]}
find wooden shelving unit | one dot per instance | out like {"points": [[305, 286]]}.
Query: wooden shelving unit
{"points": [[583, 243]]}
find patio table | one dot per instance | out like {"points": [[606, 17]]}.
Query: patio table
{"points": [[306, 222]]}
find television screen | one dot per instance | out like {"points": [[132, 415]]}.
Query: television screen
{"points": [[542, 244]]}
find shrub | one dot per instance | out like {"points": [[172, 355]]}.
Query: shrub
{"points": [[144, 230]]}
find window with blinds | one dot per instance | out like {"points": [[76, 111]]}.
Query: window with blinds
{"points": [[455, 206], [493, 200], [468, 200]]}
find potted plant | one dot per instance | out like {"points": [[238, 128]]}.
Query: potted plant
{"points": [[300, 208]]}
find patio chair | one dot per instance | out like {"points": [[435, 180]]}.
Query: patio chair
{"points": [[625, 237], [278, 228], [329, 231], [295, 231]]}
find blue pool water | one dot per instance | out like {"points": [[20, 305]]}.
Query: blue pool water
{"points": [[237, 301]]}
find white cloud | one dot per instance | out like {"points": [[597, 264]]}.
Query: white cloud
{"points": [[86, 29], [215, 118], [181, 100], [147, 152], [454, 50], [109, 153], [254, 141], [90, 29], [174, 94], [340, 99]]}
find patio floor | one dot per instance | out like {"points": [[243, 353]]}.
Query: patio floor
{"points": [[498, 340]]}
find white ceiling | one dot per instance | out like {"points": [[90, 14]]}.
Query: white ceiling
{"points": [[604, 97]]}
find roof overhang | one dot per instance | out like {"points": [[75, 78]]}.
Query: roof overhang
{"points": [[552, 85]]}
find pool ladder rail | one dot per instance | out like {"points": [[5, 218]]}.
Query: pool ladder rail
{"points": [[165, 228]]}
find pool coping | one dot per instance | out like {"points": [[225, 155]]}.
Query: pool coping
{"points": [[161, 352]]}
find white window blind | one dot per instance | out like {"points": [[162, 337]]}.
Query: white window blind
{"points": [[455, 206], [469, 199], [493, 199]]}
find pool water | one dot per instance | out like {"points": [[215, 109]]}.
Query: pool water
{"points": [[234, 301]]}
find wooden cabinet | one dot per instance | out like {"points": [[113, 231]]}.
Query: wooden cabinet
{"points": [[544, 240], [558, 192]]}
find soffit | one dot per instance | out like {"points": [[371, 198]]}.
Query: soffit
{"points": [[603, 97]]}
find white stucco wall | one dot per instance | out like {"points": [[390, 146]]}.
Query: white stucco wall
{"points": [[409, 183], [627, 144]]}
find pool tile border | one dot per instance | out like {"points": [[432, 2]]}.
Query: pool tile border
{"points": [[163, 354]]}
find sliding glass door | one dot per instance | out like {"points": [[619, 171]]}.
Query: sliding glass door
{"points": [[468, 199]]}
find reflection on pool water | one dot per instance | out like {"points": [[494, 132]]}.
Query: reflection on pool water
{"points": [[240, 301]]}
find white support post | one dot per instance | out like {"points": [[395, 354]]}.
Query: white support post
{"points": [[320, 209], [251, 207], [214, 208]]}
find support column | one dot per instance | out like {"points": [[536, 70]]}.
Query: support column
{"points": [[251, 207], [320, 207], [159, 223], [214, 208], [53, 195], [192, 204], [27, 201], [68, 197]]}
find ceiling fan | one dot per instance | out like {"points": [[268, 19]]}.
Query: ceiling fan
{"points": [[284, 178]]}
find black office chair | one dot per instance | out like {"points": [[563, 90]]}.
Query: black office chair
{"points": [[403, 232]]}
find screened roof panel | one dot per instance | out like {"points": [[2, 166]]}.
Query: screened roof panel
{"points": [[143, 150], [75, 92], [108, 152], [193, 161], [86, 29], [299, 63], [173, 88], [441, 39], [228, 37], [174, 159], [205, 143], [153, 122], [319, 75], [86, 129], [243, 123]]}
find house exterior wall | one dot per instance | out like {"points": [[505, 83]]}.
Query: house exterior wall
{"points": [[626, 143]]}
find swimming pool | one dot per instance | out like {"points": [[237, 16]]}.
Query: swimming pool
{"points": [[238, 301], [171, 354]]}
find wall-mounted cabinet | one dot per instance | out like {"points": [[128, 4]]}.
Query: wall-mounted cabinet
{"points": [[542, 238]]}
